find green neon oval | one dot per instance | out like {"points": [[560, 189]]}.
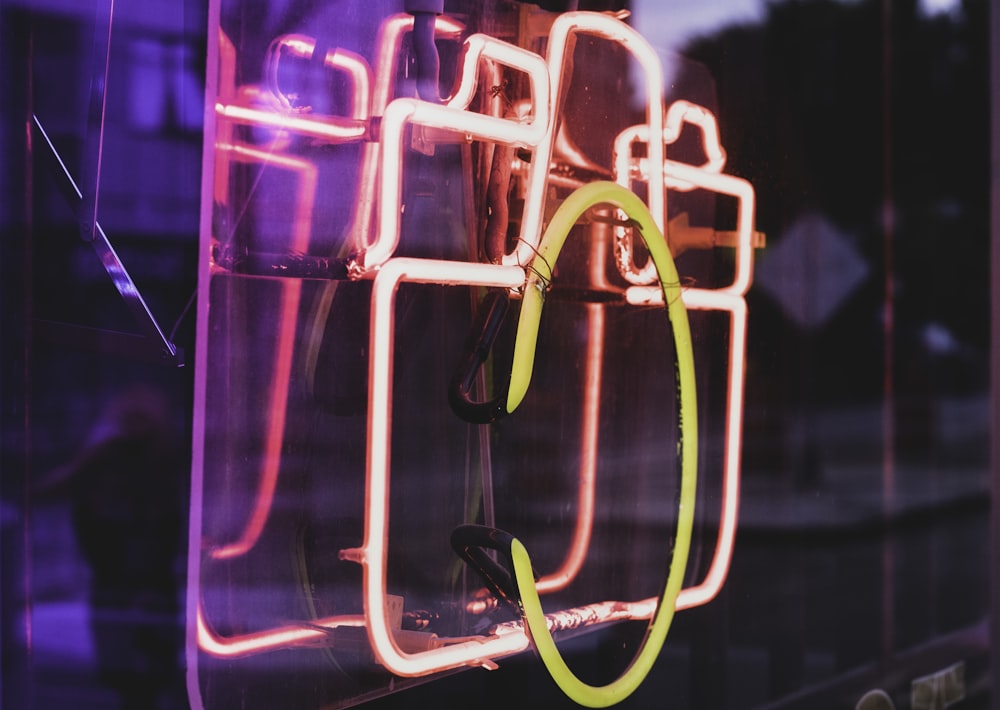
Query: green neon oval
{"points": [[524, 351]]}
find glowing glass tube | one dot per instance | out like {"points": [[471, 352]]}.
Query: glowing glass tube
{"points": [[380, 181], [373, 553], [607, 26], [288, 306], [388, 47], [347, 62], [627, 168], [454, 116]]}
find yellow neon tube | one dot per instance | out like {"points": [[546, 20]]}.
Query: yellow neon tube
{"points": [[539, 276]]}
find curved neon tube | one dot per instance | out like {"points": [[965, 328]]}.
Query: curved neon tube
{"points": [[288, 307], [611, 28], [593, 376], [303, 47], [719, 568], [290, 297], [624, 254], [696, 177], [357, 235], [589, 425], [539, 132], [704, 299], [540, 272], [728, 298], [455, 117], [389, 44], [626, 168], [248, 644], [681, 112], [336, 129], [373, 553]]}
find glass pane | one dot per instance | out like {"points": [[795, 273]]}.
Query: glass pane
{"points": [[380, 181]]}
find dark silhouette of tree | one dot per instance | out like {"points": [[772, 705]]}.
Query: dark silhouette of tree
{"points": [[850, 109]]}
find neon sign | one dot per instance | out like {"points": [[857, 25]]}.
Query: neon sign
{"points": [[383, 127]]}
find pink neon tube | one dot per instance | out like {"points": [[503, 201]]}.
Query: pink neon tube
{"points": [[592, 378], [681, 112], [703, 299], [624, 255], [454, 117], [393, 272], [281, 372], [697, 177], [332, 128], [374, 551], [698, 299], [626, 169], [743, 192], [288, 309], [539, 132], [290, 297], [335, 129], [339, 59], [610, 28], [719, 568], [728, 298], [389, 43], [358, 233], [258, 642]]}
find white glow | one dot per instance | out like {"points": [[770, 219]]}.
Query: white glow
{"points": [[388, 47], [626, 169], [931, 8], [671, 25]]}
